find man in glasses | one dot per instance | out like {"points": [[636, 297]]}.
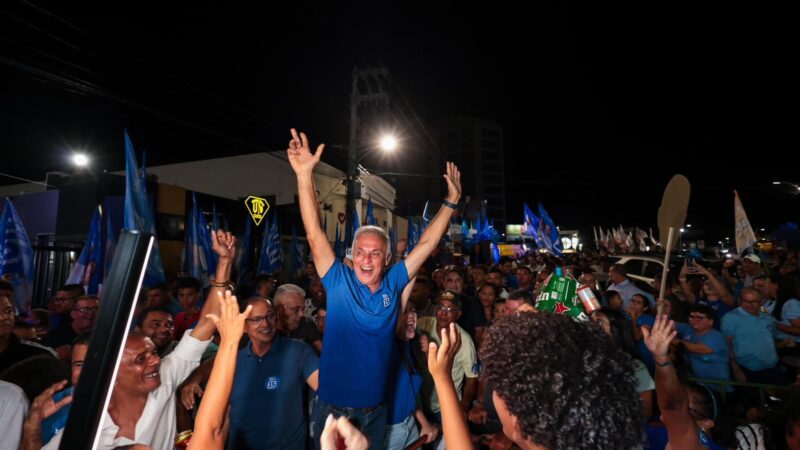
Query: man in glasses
{"points": [[270, 376], [83, 314], [465, 366], [12, 349], [708, 350], [61, 304], [290, 301]]}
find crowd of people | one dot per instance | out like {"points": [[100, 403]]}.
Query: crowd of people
{"points": [[393, 349]]}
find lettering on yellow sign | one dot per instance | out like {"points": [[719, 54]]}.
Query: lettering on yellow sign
{"points": [[257, 207]]}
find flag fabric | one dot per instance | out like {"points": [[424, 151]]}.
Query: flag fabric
{"points": [[640, 236], [413, 235], [550, 235], [530, 225], [16, 257], [110, 248], [244, 250], [275, 250], [370, 218], [745, 237], [297, 253], [194, 257], [263, 258], [87, 270], [559, 296], [338, 244], [393, 241], [653, 239], [205, 243], [138, 213]]}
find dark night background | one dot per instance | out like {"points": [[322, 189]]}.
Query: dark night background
{"points": [[600, 103]]}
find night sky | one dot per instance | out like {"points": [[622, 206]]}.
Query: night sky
{"points": [[600, 104]]}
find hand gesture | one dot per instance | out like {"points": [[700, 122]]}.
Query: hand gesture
{"points": [[453, 179], [230, 323], [440, 360], [657, 339], [224, 244], [188, 394], [431, 431], [423, 343], [300, 157], [44, 406], [340, 434]]}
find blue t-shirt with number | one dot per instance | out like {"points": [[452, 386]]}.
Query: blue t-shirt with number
{"points": [[267, 409], [359, 336]]}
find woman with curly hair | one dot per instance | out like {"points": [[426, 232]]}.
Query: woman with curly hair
{"points": [[561, 384]]}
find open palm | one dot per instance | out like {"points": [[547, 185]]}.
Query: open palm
{"points": [[300, 157]]}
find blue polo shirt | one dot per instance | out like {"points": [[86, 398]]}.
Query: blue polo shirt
{"points": [[359, 336], [713, 366], [267, 397], [406, 384], [752, 338]]}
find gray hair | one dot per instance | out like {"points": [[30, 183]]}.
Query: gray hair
{"points": [[286, 289], [376, 231]]}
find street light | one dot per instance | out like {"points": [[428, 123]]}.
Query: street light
{"points": [[388, 143], [80, 160]]}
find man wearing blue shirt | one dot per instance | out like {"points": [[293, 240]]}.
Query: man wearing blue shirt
{"points": [[363, 302], [270, 376], [749, 332], [622, 284]]}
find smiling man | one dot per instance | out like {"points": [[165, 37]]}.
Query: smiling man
{"points": [[142, 407], [363, 302]]}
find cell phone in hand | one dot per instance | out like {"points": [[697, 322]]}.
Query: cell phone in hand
{"points": [[689, 261]]}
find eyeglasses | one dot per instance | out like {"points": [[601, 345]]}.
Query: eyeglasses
{"points": [[257, 320], [293, 309], [447, 309], [86, 309], [696, 317]]}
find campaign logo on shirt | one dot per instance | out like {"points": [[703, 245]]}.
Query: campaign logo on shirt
{"points": [[386, 300], [272, 383]]}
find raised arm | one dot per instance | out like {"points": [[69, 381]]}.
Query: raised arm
{"points": [[430, 238], [440, 364], [672, 398], [719, 286], [208, 429], [224, 245], [303, 163]]}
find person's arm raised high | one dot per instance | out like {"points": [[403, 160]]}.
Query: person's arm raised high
{"points": [[438, 226], [303, 163]]}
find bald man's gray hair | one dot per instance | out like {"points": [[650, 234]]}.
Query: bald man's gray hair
{"points": [[286, 289]]}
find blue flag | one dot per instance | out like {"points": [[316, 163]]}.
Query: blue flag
{"points": [[16, 257], [205, 243], [263, 258], [370, 219], [530, 226], [356, 221], [275, 250], [549, 232], [194, 258], [111, 246], [244, 251], [413, 235], [88, 268], [338, 244], [297, 253], [393, 241], [138, 213]]}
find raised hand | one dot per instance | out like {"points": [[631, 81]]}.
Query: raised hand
{"points": [[224, 244], [657, 339], [300, 157], [230, 322], [44, 406], [440, 360], [453, 179]]}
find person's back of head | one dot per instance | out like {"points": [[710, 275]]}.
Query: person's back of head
{"points": [[561, 384], [35, 374]]}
